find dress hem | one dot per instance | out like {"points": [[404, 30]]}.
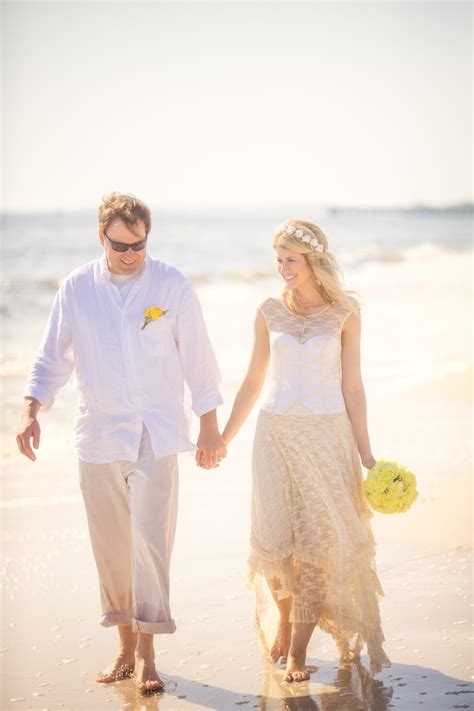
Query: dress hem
{"points": [[349, 633]]}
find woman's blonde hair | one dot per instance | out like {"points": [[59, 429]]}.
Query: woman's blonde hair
{"points": [[327, 273]]}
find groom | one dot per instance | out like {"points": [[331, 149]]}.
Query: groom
{"points": [[131, 328]]}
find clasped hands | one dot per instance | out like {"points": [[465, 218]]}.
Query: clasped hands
{"points": [[211, 450]]}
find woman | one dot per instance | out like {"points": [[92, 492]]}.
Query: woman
{"points": [[311, 542]]}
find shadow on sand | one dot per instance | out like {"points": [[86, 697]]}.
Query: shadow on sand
{"points": [[346, 687]]}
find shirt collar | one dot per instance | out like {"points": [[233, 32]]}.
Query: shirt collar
{"points": [[106, 273]]}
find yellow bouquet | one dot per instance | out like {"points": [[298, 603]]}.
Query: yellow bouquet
{"points": [[390, 487]]}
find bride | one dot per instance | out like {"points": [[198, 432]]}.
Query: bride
{"points": [[312, 548]]}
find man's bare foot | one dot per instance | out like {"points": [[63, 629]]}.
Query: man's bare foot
{"points": [[296, 669], [121, 668], [281, 645], [146, 677]]}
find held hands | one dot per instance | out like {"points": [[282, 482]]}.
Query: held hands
{"points": [[211, 450], [211, 447]]}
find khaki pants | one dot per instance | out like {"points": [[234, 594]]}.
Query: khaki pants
{"points": [[131, 511]]}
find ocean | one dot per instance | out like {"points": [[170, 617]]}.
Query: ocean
{"points": [[228, 256], [41, 248]]}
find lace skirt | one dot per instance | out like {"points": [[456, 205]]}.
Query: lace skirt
{"points": [[311, 536]]}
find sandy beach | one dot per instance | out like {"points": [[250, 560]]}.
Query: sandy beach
{"points": [[227, 119], [52, 645]]}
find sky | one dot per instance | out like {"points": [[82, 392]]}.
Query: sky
{"points": [[245, 104]]}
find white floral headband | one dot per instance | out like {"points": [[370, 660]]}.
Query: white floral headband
{"points": [[291, 231]]}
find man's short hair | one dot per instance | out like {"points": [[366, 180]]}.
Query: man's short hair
{"points": [[125, 207]]}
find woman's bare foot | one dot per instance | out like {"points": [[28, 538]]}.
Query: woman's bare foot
{"points": [[146, 677], [296, 669], [281, 645], [121, 668]]}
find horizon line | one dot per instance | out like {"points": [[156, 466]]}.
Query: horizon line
{"points": [[459, 205]]}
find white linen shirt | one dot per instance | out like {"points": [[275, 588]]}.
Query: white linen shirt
{"points": [[127, 376]]}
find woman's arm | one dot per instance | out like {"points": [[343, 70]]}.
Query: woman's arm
{"points": [[353, 389], [253, 382]]}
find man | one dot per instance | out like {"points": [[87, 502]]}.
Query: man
{"points": [[132, 329]]}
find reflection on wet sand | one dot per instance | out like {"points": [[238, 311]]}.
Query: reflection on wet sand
{"points": [[352, 689], [127, 694]]}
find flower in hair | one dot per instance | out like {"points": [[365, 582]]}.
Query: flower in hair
{"points": [[290, 231]]}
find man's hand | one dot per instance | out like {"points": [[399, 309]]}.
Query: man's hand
{"points": [[211, 448], [210, 451], [29, 429]]}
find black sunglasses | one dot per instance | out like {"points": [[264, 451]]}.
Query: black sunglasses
{"points": [[123, 247]]}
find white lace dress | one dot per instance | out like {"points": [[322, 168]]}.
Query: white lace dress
{"points": [[311, 537]]}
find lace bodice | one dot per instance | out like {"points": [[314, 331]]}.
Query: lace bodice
{"points": [[305, 363]]}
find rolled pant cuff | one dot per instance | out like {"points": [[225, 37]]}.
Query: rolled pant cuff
{"points": [[154, 627], [109, 619]]}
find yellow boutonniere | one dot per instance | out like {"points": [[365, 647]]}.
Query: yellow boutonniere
{"points": [[152, 313]]}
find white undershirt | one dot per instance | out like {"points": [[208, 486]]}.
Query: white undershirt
{"points": [[124, 282]]}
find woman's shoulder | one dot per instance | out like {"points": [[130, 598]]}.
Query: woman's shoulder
{"points": [[269, 304], [347, 308], [272, 309], [342, 312]]}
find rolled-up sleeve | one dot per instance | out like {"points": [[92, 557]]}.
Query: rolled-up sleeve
{"points": [[54, 360], [198, 361]]}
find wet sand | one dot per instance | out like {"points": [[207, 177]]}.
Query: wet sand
{"points": [[52, 645]]}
